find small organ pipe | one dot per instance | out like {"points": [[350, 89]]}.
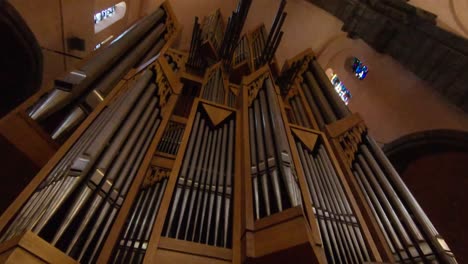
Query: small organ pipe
{"points": [[322, 103], [254, 164], [313, 106], [338, 106], [183, 174]]}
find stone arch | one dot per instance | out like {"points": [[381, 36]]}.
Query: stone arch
{"points": [[411, 147]]}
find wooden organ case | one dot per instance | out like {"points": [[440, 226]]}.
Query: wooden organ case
{"points": [[216, 156]]}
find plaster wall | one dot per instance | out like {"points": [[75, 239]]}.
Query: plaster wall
{"points": [[393, 101], [53, 21]]}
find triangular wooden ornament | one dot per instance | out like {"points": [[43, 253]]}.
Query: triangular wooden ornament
{"points": [[307, 138], [217, 115]]}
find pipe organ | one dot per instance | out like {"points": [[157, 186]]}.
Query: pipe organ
{"points": [[212, 155]]}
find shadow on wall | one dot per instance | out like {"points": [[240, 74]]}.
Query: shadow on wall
{"points": [[393, 101], [433, 165], [21, 62]]}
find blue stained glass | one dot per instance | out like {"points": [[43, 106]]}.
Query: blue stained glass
{"points": [[359, 69], [342, 91]]}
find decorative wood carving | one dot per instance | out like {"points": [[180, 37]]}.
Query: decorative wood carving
{"points": [[155, 174], [164, 87], [348, 134], [217, 115], [254, 87]]}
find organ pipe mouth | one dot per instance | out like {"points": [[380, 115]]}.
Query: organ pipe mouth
{"points": [[73, 119], [54, 101]]}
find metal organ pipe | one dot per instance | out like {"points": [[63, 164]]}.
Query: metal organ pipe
{"points": [[313, 106], [339, 228], [77, 82], [137, 245], [76, 205], [204, 215], [101, 166], [338, 106], [153, 51], [284, 152], [270, 156], [324, 106], [270, 161], [409, 233], [105, 85]]}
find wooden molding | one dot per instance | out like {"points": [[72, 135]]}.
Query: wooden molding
{"points": [[215, 114], [341, 126], [307, 138], [195, 248], [30, 248]]}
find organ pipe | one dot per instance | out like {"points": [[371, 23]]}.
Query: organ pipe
{"points": [[209, 155]]}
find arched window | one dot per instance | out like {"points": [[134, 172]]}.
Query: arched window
{"points": [[109, 16], [359, 69]]}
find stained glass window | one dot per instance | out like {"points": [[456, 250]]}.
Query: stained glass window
{"points": [[104, 14], [342, 91], [359, 69]]}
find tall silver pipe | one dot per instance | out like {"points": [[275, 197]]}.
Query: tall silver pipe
{"points": [[296, 114], [54, 180], [100, 173], [317, 202], [209, 173], [108, 82], [282, 144], [391, 193], [214, 172], [153, 51], [183, 173], [123, 242], [228, 193], [77, 82], [136, 223], [343, 236], [396, 223], [189, 183], [137, 241], [302, 112], [131, 168], [254, 165], [197, 181], [426, 225], [334, 99], [412, 230], [221, 174], [202, 190], [340, 213], [262, 166], [107, 186], [379, 213], [324, 106], [349, 216], [331, 224], [313, 106], [83, 164], [271, 161], [49, 202]]}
